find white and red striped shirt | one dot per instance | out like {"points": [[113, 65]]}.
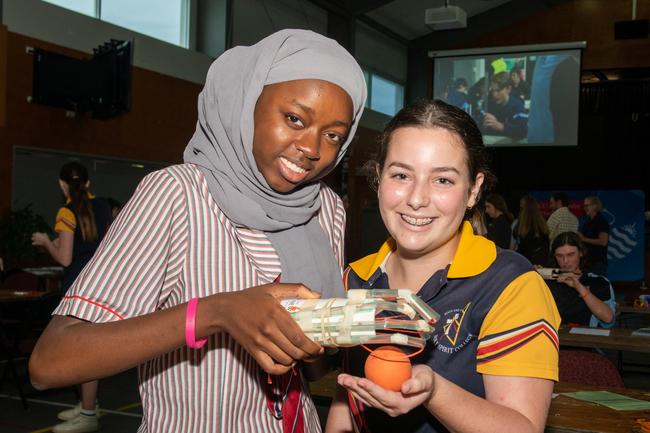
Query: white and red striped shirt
{"points": [[169, 244]]}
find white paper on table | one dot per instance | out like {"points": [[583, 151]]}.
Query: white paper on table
{"points": [[590, 331]]}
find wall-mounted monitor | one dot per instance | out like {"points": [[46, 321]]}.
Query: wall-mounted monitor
{"points": [[101, 84], [519, 96]]}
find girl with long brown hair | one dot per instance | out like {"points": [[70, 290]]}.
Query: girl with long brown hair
{"points": [[80, 226]]}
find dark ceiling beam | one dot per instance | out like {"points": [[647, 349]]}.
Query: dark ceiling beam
{"points": [[383, 29], [332, 6], [335, 7], [358, 7]]}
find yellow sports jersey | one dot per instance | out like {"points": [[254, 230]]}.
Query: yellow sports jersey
{"points": [[65, 221]]}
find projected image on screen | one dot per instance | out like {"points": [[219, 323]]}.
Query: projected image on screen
{"points": [[516, 98]]}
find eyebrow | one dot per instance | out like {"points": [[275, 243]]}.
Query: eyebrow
{"points": [[433, 170], [311, 112]]}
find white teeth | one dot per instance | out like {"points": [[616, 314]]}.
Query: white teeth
{"points": [[291, 166], [416, 221]]}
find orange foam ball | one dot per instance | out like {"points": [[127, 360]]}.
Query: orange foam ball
{"points": [[388, 367]]}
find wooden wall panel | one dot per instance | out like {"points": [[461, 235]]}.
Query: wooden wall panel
{"points": [[159, 125], [581, 20], [3, 74]]}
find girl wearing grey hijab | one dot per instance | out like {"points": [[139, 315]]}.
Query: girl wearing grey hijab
{"points": [[175, 240], [222, 147]]}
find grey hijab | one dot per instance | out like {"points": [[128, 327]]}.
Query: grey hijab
{"points": [[222, 146]]}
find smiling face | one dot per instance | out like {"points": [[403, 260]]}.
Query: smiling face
{"points": [[424, 190], [568, 258], [299, 128]]}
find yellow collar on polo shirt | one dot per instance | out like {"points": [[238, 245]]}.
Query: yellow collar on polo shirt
{"points": [[474, 255], [90, 196]]}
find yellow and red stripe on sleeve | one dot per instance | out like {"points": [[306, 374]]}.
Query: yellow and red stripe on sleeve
{"points": [[519, 334], [496, 346]]}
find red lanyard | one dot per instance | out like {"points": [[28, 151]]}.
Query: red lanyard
{"points": [[283, 399]]}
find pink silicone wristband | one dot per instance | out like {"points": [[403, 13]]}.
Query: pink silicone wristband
{"points": [[190, 326]]}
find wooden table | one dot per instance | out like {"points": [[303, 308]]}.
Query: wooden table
{"points": [[566, 414], [629, 308], [618, 339], [8, 295], [569, 415], [629, 316]]}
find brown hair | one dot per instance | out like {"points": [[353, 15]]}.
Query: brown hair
{"points": [[592, 199], [438, 114], [572, 239], [502, 80], [531, 219], [75, 175], [499, 204]]}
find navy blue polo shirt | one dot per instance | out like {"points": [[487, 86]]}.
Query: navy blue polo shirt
{"points": [[497, 317]]}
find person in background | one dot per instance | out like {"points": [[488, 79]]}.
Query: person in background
{"points": [[514, 241], [561, 219], [498, 221], [187, 284], [582, 298], [429, 173], [594, 234], [476, 95], [115, 205], [457, 95], [531, 232], [504, 115], [520, 88], [80, 226], [549, 120]]}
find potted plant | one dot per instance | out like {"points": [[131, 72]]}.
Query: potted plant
{"points": [[16, 228]]}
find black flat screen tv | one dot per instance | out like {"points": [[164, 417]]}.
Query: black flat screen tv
{"points": [[518, 96], [100, 85], [61, 81]]}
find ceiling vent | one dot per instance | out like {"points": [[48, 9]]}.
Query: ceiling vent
{"points": [[445, 18]]}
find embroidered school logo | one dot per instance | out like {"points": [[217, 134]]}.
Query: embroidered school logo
{"points": [[453, 336], [452, 326]]}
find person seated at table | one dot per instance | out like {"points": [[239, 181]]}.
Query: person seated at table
{"points": [[457, 95], [582, 298], [504, 115]]}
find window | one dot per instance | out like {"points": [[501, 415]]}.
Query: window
{"points": [[384, 95], [169, 23], [86, 7]]}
